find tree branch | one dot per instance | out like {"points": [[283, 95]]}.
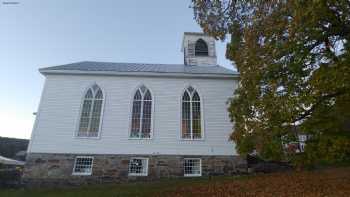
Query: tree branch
{"points": [[323, 98]]}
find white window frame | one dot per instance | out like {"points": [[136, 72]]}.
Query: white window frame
{"points": [[76, 133], [200, 167], [138, 174], [141, 114], [202, 116], [83, 173]]}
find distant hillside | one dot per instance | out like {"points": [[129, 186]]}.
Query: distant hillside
{"points": [[10, 146]]}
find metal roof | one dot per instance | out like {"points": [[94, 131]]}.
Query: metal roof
{"points": [[196, 33], [90, 67]]}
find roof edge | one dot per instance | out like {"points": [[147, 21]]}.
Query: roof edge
{"points": [[145, 74], [196, 33]]}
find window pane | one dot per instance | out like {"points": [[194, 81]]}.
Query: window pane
{"points": [[91, 112], [196, 129], [146, 119], [196, 120], [138, 167], [88, 94], [135, 121], [192, 167], [186, 120], [84, 118], [83, 165], [141, 118], [137, 95], [186, 97], [147, 96], [95, 118], [195, 97], [99, 94]]}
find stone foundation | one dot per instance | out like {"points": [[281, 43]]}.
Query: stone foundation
{"points": [[56, 169]]}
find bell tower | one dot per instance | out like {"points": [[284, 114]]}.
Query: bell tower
{"points": [[198, 49]]}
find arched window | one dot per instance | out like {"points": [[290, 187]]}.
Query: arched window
{"points": [[191, 114], [201, 48], [91, 112], [141, 114]]}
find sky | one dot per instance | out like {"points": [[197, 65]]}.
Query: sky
{"points": [[41, 33]]}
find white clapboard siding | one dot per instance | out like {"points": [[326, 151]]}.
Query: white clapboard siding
{"points": [[59, 112]]}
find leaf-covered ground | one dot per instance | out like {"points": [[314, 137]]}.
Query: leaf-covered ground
{"points": [[330, 182]]}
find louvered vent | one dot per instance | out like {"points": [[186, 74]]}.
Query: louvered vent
{"points": [[191, 49]]}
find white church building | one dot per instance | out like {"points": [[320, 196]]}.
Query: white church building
{"points": [[104, 121]]}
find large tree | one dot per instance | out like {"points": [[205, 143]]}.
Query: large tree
{"points": [[294, 64]]}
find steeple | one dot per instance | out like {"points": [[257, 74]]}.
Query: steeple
{"points": [[198, 49]]}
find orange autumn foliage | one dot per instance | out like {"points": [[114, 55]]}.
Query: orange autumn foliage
{"points": [[331, 182]]}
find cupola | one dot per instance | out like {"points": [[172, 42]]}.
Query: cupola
{"points": [[198, 49]]}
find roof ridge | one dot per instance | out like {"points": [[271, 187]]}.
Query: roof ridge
{"points": [[141, 63]]}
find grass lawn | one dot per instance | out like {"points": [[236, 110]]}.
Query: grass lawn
{"points": [[127, 189], [329, 182]]}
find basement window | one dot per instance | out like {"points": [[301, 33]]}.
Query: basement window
{"points": [[138, 167], [192, 167], [83, 165]]}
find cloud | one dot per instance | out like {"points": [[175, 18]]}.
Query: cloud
{"points": [[16, 123]]}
